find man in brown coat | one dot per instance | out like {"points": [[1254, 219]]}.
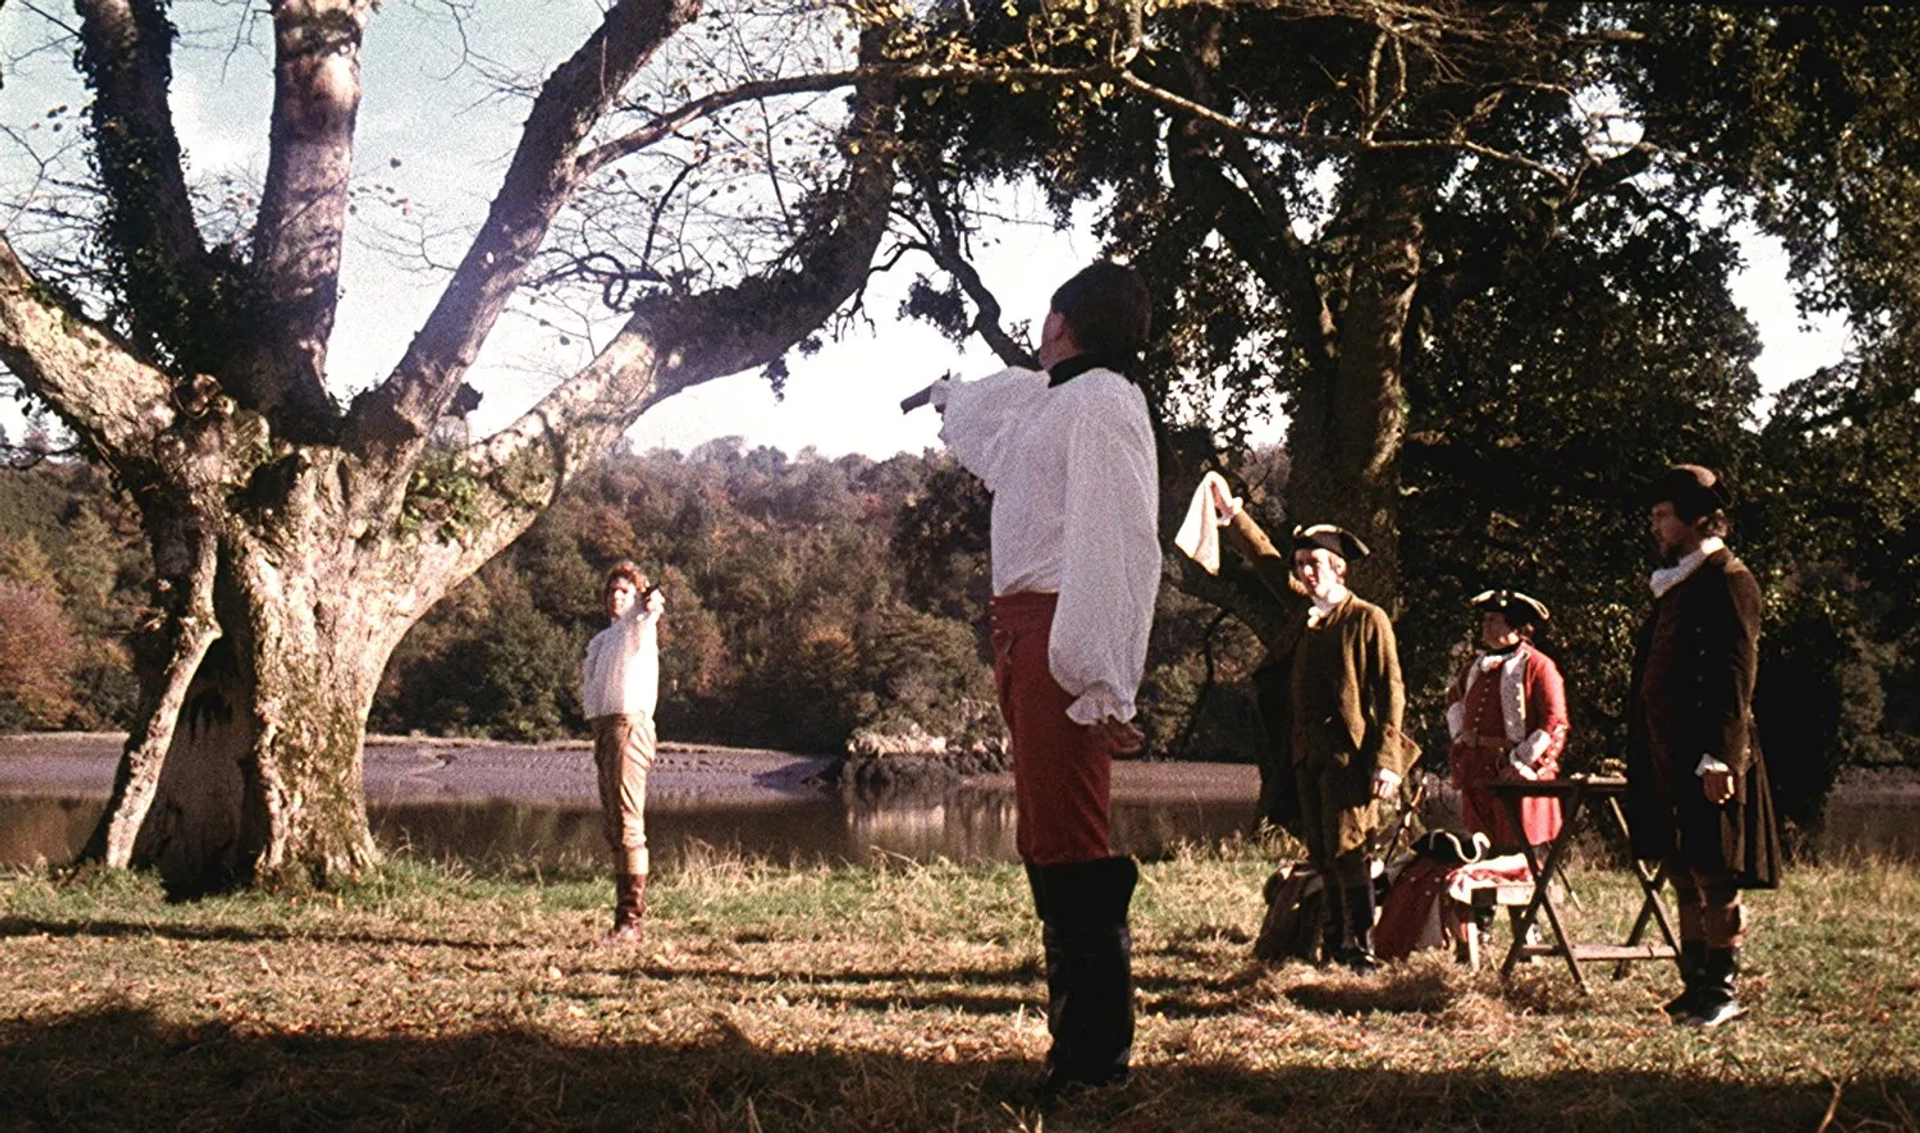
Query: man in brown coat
{"points": [[1697, 794], [1331, 703]]}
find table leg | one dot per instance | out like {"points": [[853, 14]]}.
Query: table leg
{"points": [[1542, 897], [1651, 910]]}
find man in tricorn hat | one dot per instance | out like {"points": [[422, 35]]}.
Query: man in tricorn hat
{"points": [[1697, 793], [1507, 718], [1331, 703]]}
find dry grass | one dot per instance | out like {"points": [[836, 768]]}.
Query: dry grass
{"points": [[895, 996]]}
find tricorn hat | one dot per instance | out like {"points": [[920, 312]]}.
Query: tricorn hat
{"points": [[1519, 609], [1327, 537], [1694, 490]]}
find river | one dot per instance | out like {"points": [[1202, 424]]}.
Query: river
{"points": [[502, 803], [480, 802]]}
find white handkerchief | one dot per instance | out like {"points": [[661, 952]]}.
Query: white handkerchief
{"points": [[1199, 536]]}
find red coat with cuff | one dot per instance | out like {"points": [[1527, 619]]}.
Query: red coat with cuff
{"points": [[1507, 715]]}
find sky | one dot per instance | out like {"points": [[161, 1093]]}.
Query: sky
{"points": [[424, 117]]}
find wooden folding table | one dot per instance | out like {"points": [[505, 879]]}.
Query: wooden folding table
{"points": [[1578, 793]]}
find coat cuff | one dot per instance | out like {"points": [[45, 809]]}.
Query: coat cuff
{"points": [[1709, 764], [1529, 750]]}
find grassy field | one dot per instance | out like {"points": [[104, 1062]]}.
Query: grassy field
{"points": [[897, 996]]}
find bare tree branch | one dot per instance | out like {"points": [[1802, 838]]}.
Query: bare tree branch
{"points": [[109, 398], [1258, 223], [946, 249], [303, 205], [544, 170], [126, 49], [673, 342]]}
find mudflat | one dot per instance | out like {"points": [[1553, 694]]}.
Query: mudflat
{"points": [[403, 768]]}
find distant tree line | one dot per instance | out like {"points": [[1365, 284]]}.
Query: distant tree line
{"points": [[819, 604], [812, 603]]}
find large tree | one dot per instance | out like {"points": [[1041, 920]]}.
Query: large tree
{"points": [[1278, 169], [1479, 254], [295, 539]]}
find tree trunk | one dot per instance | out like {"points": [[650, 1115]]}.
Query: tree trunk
{"points": [[263, 784], [1345, 440], [183, 638], [333, 536], [262, 781]]}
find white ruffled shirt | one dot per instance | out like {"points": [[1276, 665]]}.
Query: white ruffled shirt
{"points": [[1666, 578], [621, 675], [1076, 487]]}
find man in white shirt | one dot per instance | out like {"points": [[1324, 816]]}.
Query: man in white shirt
{"points": [[619, 688], [1069, 454]]}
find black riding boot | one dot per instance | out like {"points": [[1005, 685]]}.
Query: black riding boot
{"points": [[1693, 968], [1359, 956], [1083, 908], [1333, 921], [1715, 1004]]}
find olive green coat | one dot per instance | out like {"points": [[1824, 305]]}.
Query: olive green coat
{"points": [[1331, 706]]}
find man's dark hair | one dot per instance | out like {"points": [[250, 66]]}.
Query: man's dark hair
{"points": [[1697, 494], [1108, 311]]}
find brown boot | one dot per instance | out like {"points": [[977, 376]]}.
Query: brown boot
{"points": [[629, 905]]}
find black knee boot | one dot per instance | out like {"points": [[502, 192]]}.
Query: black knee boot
{"points": [[1693, 967], [1715, 1003], [1333, 920], [1359, 956], [1083, 908]]}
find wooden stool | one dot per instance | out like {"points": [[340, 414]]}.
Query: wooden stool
{"points": [[1460, 920]]}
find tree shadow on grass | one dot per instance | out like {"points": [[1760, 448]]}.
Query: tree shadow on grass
{"points": [[1395, 991], [121, 1068], [261, 934]]}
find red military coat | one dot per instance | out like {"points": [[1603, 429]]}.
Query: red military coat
{"points": [[1507, 715]]}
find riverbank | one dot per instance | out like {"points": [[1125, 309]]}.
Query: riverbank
{"points": [[419, 769], [897, 996]]}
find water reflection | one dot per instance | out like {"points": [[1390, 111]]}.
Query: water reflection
{"points": [[967, 824]]}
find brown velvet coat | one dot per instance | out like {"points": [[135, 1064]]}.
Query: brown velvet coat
{"points": [[1329, 697], [1692, 695]]}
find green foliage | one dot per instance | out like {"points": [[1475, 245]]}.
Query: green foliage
{"points": [[490, 664], [786, 625], [1522, 460], [1556, 190], [442, 498], [74, 549], [1840, 501]]}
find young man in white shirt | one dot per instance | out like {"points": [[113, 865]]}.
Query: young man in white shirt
{"points": [[1069, 454], [619, 688]]}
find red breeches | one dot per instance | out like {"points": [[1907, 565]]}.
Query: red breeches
{"points": [[1061, 777]]}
